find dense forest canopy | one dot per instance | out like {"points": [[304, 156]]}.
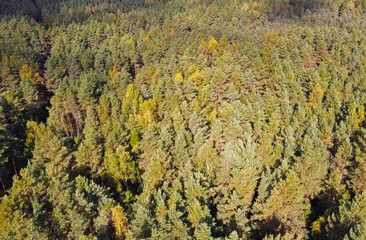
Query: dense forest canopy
{"points": [[182, 119]]}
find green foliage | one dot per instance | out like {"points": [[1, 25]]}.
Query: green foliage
{"points": [[49, 201], [201, 119], [348, 221]]}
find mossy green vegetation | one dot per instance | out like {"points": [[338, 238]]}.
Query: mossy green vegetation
{"points": [[172, 119]]}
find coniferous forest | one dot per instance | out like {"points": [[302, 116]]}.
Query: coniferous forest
{"points": [[183, 119]]}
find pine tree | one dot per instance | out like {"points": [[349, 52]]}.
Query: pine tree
{"points": [[313, 163], [48, 201], [285, 209], [90, 151], [240, 166], [347, 220]]}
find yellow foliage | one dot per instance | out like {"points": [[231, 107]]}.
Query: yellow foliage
{"points": [[146, 38], [236, 79], [113, 72], [128, 39], [255, 6], [350, 5], [309, 35], [131, 101], [13, 61], [141, 40], [213, 116], [213, 45], [196, 77], [272, 37], [119, 221], [235, 21], [179, 78], [134, 140], [355, 118], [192, 69], [27, 72], [317, 225], [31, 129], [361, 114], [151, 34], [316, 95], [245, 7], [196, 213], [147, 113]]}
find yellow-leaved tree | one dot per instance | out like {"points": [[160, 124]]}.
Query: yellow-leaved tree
{"points": [[316, 96], [179, 78], [112, 72], [119, 221], [147, 113]]}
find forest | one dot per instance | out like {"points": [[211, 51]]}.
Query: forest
{"points": [[183, 119]]}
